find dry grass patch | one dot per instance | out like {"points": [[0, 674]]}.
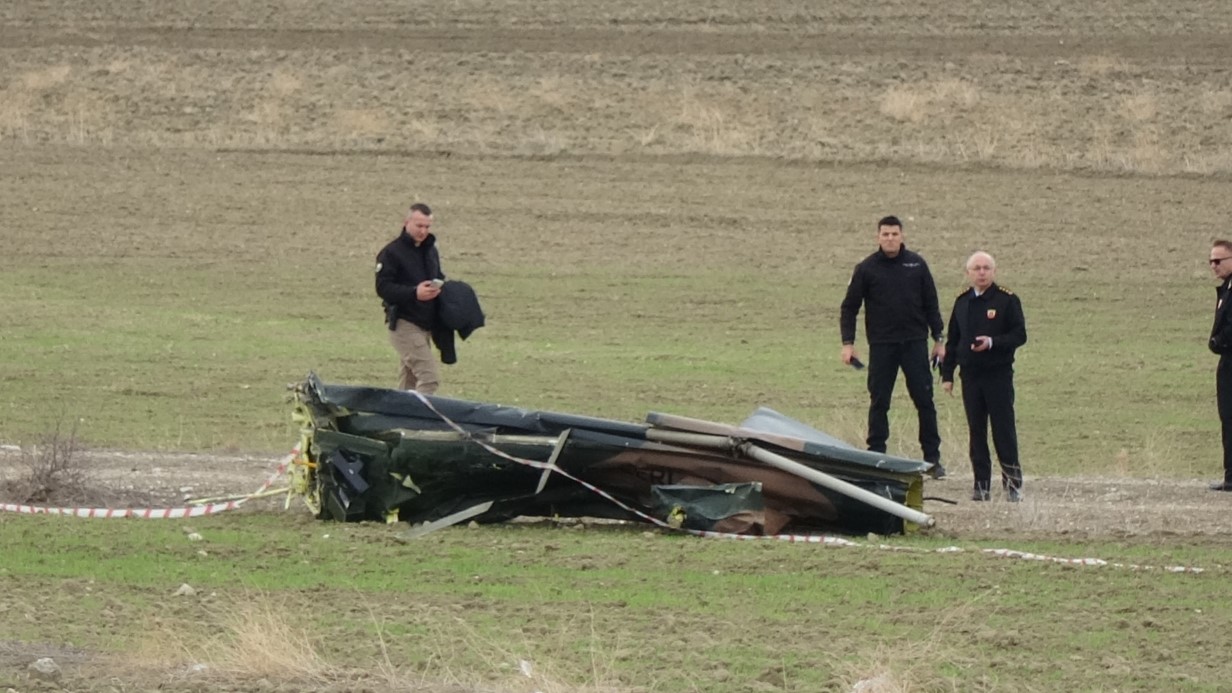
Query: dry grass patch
{"points": [[541, 665], [979, 145], [543, 143], [46, 78], [15, 116], [715, 124], [253, 639], [540, 105], [1216, 102], [1146, 155], [259, 639], [359, 122], [284, 82], [1141, 151], [1207, 163], [421, 130], [267, 114], [486, 93], [904, 104], [957, 93], [118, 66], [555, 92], [89, 119], [1156, 457], [911, 666], [915, 103], [1140, 108], [1100, 65]]}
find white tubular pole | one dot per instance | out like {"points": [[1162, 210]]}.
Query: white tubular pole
{"points": [[791, 466], [701, 440], [836, 484]]}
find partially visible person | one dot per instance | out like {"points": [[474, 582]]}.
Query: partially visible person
{"points": [[899, 298], [986, 327], [1221, 343], [405, 270]]}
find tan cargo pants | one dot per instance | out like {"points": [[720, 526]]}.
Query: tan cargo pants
{"points": [[414, 347]]}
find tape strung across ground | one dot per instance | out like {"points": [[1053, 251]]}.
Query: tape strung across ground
{"points": [[1002, 553], [156, 513]]}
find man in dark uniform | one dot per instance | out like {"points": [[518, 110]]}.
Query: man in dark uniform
{"points": [[1221, 343], [900, 310], [986, 327], [405, 272]]}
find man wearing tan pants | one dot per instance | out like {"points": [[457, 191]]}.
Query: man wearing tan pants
{"points": [[414, 347], [408, 280]]}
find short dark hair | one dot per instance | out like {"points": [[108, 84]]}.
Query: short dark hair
{"points": [[890, 221], [1221, 243], [422, 209]]}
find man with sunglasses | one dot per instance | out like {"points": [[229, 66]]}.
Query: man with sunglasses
{"points": [[986, 328], [1221, 343]]}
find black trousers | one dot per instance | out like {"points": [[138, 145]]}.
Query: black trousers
{"points": [[884, 362], [1223, 395], [988, 397]]}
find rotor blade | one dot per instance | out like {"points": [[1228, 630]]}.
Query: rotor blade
{"points": [[447, 521]]}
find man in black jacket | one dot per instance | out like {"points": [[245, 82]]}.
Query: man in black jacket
{"points": [[900, 310], [405, 272], [1221, 343], [986, 327]]}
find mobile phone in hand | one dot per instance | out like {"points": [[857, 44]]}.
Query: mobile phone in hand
{"points": [[438, 283], [856, 363]]}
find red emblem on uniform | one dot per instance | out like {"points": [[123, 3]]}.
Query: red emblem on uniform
{"points": [[992, 313]]}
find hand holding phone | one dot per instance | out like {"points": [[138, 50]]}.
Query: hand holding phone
{"points": [[437, 283]]}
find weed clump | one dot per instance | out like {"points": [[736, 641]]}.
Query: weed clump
{"points": [[53, 470]]}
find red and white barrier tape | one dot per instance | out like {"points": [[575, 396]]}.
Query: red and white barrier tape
{"points": [[1011, 553], [1002, 553], [155, 513]]}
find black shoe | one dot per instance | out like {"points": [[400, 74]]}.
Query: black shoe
{"points": [[979, 494], [937, 472], [1222, 486]]}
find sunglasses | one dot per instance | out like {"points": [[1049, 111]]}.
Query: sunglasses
{"points": [[1216, 260]]}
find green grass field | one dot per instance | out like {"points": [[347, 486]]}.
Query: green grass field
{"points": [[172, 313], [660, 207], [330, 607]]}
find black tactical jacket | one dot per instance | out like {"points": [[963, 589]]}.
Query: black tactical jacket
{"points": [[400, 267], [996, 313], [899, 298]]}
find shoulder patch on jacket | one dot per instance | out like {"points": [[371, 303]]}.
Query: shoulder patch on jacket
{"points": [[1011, 293]]}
